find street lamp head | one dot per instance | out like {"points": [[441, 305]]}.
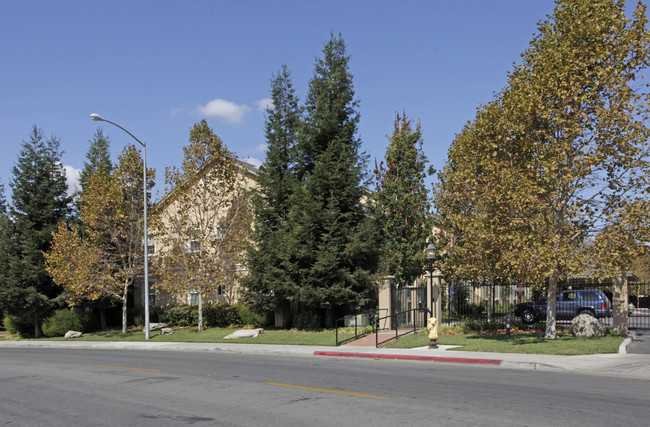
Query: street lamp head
{"points": [[431, 252], [96, 117]]}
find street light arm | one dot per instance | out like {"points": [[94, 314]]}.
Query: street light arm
{"points": [[98, 118]]}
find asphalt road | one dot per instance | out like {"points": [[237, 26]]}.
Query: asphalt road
{"points": [[53, 387], [642, 343]]}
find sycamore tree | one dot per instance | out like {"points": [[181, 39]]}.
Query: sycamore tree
{"points": [[402, 203], [573, 121], [203, 222], [105, 258], [268, 286]]}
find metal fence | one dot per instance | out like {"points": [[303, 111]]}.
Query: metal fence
{"points": [[482, 302], [355, 326]]}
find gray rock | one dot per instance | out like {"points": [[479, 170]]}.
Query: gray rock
{"points": [[586, 325], [245, 333], [166, 331], [72, 334], [156, 326]]}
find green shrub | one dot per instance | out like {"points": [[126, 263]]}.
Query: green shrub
{"points": [[17, 326], [89, 320], [180, 315], [10, 326], [214, 315], [61, 322], [252, 318], [462, 329], [221, 315], [442, 330], [307, 320]]}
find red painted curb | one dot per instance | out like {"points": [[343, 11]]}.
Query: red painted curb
{"points": [[407, 357]]}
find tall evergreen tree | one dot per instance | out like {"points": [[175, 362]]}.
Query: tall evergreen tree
{"points": [[268, 286], [39, 203], [331, 255], [402, 203], [5, 244], [98, 157]]}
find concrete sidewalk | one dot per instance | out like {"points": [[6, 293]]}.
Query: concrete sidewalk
{"points": [[622, 364]]}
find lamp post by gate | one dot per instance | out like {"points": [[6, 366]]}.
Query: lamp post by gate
{"points": [[98, 118], [432, 324]]}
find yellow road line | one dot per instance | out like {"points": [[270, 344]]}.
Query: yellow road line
{"points": [[133, 369], [7, 360], [330, 391]]}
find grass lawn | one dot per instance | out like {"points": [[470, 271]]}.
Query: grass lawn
{"points": [[534, 343], [215, 335], [567, 344]]}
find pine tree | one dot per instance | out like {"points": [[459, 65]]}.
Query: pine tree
{"points": [[39, 203], [5, 244], [98, 156], [331, 257], [402, 204], [268, 286]]}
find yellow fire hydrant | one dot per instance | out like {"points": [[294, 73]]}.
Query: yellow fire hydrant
{"points": [[432, 326]]}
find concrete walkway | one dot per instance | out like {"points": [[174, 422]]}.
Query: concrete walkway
{"points": [[623, 364]]}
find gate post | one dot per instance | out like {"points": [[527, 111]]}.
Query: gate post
{"points": [[385, 292]]}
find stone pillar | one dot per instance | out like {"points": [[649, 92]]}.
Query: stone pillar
{"points": [[385, 292]]}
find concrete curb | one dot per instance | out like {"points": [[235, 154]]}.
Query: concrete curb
{"points": [[411, 357], [627, 342]]}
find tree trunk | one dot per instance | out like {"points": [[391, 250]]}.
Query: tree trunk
{"points": [[200, 310], [102, 319], [329, 318], [620, 303], [37, 329], [551, 307], [125, 297]]}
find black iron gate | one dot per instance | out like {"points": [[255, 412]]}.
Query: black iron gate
{"points": [[465, 300], [404, 302], [639, 305]]}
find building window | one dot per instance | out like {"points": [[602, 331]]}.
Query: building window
{"points": [[194, 243], [193, 298], [221, 290]]}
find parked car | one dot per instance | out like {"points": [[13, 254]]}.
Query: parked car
{"points": [[570, 303]]}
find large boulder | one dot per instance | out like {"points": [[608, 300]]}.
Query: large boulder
{"points": [[166, 331], [245, 333], [72, 334], [586, 325], [155, 326]]}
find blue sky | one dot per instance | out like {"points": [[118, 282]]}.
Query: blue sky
{"points": [[158, 67]]}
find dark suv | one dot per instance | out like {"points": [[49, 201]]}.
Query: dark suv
{"points": [[570, 303]]}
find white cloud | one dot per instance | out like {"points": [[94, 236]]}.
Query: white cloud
{"points": [[264, 104], [223, 109], [72, 178], [260, 148], [175, 111]]}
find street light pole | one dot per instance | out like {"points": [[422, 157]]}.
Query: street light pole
{"points": [[431, 254], [98, 118]]}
